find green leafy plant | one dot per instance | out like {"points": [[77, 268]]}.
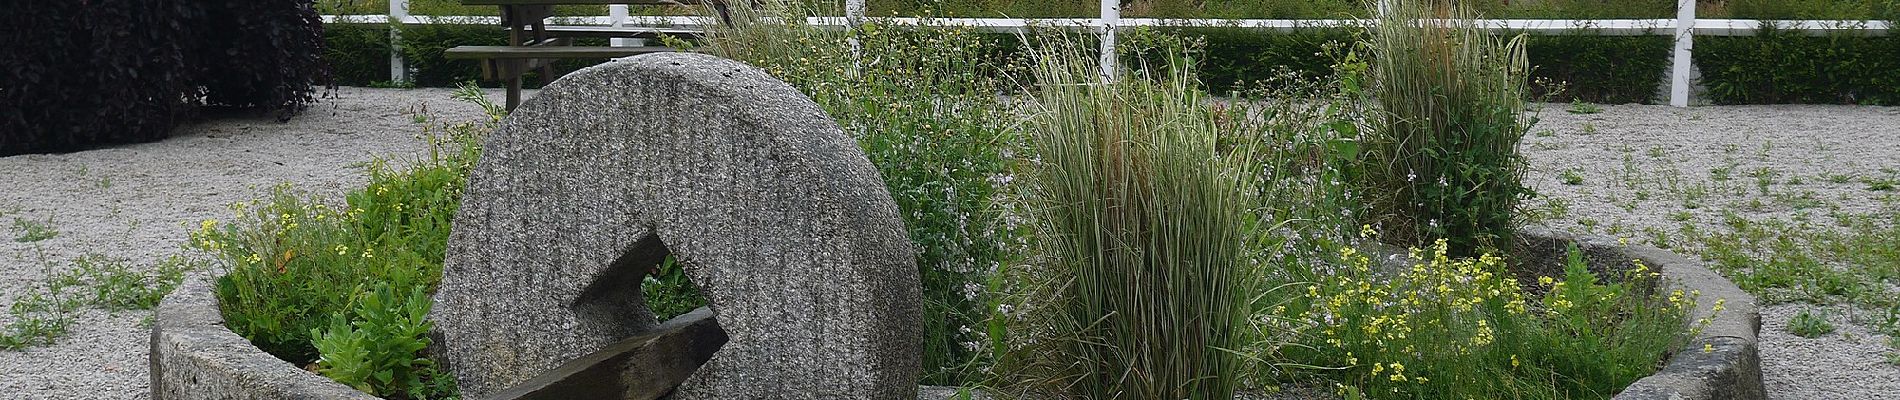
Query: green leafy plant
{"points": [[1440, 155], [669, 293], [1810, 325], [377, 346]]}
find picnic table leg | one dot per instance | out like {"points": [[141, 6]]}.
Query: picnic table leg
{"points": [[514, 91]]}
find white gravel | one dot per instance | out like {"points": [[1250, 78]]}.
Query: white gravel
{"points": [[1635, 197], [138, 202]]}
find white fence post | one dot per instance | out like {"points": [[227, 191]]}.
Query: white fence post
{"points": [[1680, 62], [854, 15], [398, 14], [617, 15], [1111, 17]]}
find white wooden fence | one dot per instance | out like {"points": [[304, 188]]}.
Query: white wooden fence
{"points": [[1684, 28]]}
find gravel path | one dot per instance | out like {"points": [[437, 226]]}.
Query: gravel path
{"points": [[1644, 166], [1640, 165], [138, 202]]}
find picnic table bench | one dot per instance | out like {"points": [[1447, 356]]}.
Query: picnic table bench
{"points": [[534, 45]]}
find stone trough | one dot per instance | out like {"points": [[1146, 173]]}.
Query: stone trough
{"points": [[1730, 370]]}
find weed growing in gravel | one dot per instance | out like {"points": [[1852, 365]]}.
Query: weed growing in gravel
{"points": [[1893, 343], [34, 231], [1837, 179], [1589, 128], [111, 284], [1856, 262], [1571, 176], [1880, 185], [1810, 325], [1578, 106], [36, 321], [42, 316]]}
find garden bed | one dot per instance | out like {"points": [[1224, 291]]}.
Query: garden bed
{"points": [[195, 356]]}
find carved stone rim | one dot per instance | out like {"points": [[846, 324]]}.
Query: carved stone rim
{"points": [[1721, 362], [193, 355]]}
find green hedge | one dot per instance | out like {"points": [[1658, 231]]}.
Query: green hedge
{"points": [[1775, 67], [1599, 69], [1604, 69], [1778, 66], [359, 54], [1272, 9]]}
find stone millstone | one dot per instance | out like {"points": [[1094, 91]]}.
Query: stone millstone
{"points": [[772, 210]]}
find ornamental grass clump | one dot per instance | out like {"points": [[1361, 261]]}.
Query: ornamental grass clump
{"points": [[1146, 224], [1439, 158]]}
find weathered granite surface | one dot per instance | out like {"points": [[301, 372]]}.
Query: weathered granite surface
{"points": [[771, 208]]}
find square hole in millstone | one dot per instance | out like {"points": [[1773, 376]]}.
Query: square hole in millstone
{"points": [[644, 286], [655, 357]]}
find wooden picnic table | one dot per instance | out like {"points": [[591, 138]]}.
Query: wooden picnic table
{"points": [[532, 44]]}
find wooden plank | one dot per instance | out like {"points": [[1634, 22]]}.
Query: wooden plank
{"points": [[621, 32], [643, 367], [520, 52]]}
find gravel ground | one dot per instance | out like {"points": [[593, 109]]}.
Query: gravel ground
{"points": [[1642, 166], [138, 202]]}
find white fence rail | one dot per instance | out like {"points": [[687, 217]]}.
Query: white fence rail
{"points": [[1685, 27]]}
